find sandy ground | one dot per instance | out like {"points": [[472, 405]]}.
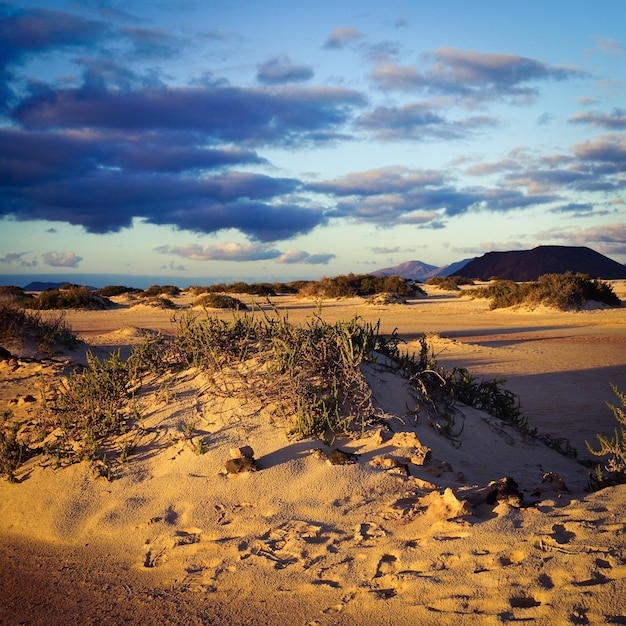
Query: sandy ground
{"points": [[301, 541]]}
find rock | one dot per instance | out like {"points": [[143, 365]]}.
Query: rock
{"points": [[240, 465], [5, 355], [406, 440], [340, 457], [318, 453], [390, 463], [555, 481], [444, 506], [245, 452], [503, 490], [421, 455]]}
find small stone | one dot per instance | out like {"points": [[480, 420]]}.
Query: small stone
{"points": [[318, 453], [243, 452], [555, 480], [339, 457], [389, 463], [406, 440], [240, 465], [421, 455]]}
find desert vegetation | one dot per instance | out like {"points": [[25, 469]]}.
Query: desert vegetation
{"points": [[311, 375], [612, 447], [449, 283], [68, 297], [561, 291], [220, 301], [349, 285], [18, 325]]}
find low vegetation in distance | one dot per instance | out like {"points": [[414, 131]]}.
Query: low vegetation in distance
{"points": [[565, 292]]}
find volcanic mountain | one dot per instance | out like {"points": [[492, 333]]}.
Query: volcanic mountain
{"points": [[524, 265], [418, 270]]}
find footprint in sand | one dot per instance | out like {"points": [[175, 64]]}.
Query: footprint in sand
{"points": [[561, 535], [368, 533], [387, 565], [512, 558]]}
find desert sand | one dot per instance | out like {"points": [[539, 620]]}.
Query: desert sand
{"points": [[172, 540]]}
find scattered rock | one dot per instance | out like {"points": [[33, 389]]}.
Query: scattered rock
{"points": [[444, 506], [245, 452], [240, 465], [318, 453], [390, 463], [419, 453], [503, 490], [555, 481], [340, 457]]}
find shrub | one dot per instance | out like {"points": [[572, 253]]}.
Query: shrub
{"points": [[11, 450], [116, 290], [19, 325], [159, 290], [449, 283], [614, 446], [220, 301], [562, 291], [350, 285], [70, 297]]}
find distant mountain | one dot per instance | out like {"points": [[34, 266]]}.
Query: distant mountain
{"points": [[453, 268], [418, 270], [414, 270], [524, 265], [38, 285]]}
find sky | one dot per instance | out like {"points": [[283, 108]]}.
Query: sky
{"points": [[200, 141]]}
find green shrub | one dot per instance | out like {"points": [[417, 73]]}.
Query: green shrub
{"points": [[449, 283], [18, 325], [349, 285], [220, 301], [614, 447], [562, 291], [116, 290], [70, 297], [11, 450], [159, 290]]}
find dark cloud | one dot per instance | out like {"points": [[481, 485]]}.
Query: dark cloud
{"points": [[151, 42], [475, 76], [420, 122], [248, 116], [281, 70], [390, 196], [25, 32], [342, 36], [606, 149], [574, 208], [616, 120]]}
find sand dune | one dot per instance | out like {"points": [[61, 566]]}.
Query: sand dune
{"points": [[301, 541]]}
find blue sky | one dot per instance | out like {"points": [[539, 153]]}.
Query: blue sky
{"points": [[246, 140]]}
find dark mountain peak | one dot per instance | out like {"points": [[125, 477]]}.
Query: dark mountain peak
{"points": [[525, 265]]}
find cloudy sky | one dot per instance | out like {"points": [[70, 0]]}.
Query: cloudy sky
{"points": [[249, 140]]}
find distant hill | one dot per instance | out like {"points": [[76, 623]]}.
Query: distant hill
{"points": [[525, 265], [418, 270], [38, 285]]}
